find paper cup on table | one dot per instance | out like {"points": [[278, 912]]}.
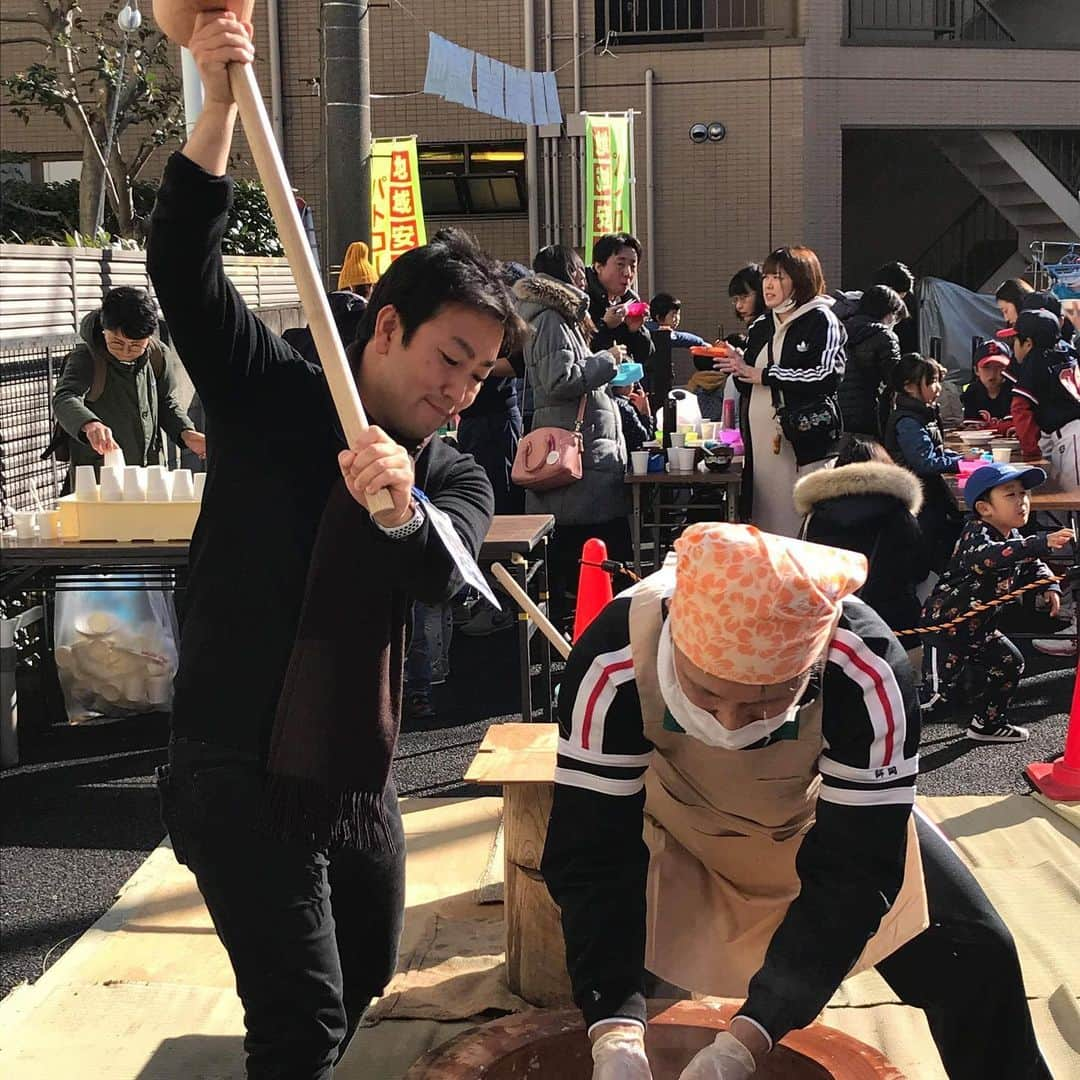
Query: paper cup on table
{"points": [[200, 485], [112, 484], [86, 486], [158, 689], [158, 484], [678, 439], [639, 462], [708, 430], [183, 487], [1002, 453], [686, 459], [25, 524]]}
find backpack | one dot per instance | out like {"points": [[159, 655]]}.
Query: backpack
{"points": [[58, 442]]}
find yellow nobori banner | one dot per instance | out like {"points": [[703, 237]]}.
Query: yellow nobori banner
{"points": [[397, 213]]}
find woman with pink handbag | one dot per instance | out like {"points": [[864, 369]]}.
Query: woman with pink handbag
{"points": [[573, 462]]}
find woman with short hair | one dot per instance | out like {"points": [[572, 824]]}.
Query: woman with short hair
{"points": [[788, 379]]}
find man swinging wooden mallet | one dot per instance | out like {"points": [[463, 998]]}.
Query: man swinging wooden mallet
{"points": [[278, 792]]}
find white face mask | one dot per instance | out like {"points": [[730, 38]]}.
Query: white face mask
{"points": [[694, 720]]}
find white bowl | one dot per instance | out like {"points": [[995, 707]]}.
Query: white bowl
{"points": [[973, 438]]}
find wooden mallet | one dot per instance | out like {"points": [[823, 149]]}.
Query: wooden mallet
{"points": [[177, 19]]}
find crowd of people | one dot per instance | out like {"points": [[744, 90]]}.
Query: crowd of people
{"points": [[738, 736]]}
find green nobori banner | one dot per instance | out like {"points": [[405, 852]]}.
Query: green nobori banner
{"points": [[609, 192]]}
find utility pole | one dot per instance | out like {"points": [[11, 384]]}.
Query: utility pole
{"points": [[346, 89]]}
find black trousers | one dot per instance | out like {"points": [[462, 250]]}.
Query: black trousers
{"points": [[962, 971], [312, 934]]}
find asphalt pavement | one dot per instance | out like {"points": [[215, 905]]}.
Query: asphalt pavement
{"points": [[80, 815]]}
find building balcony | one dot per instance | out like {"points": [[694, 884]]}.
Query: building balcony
{"points": [[1048, 24], [659, 23]]}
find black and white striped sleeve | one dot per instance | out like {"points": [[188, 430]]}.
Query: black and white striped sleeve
{"points": [[824, 359], [871, 716], [601, 744], [595, 860]]}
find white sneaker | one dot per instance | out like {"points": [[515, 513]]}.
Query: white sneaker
{"points": [[1002, 733]]}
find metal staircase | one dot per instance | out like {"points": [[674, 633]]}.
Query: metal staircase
{"points": [[1008, 172]]}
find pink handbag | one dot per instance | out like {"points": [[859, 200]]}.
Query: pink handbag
{"points": [[550, 457]]}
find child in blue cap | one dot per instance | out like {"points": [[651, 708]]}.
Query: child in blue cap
{"points": [[991, 559]]}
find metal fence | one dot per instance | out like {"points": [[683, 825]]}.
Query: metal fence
{"points": [[28, 370], [652, 22]]}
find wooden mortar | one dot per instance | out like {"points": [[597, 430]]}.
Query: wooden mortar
{"points": [[552, 1045]]}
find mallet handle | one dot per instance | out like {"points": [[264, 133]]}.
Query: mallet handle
{"points": [[279, 195], [562, 646]]}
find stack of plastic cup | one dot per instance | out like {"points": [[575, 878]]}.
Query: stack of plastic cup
{"points": [[134, 484], [112, 483], [158, 484], [183, 488], [86, 485]]}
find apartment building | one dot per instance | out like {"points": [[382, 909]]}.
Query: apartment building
{"points": [[942, 132]]}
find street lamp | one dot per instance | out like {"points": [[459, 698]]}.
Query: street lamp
{"points": [[129, 20]]}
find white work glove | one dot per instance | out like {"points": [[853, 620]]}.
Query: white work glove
{"points": [[726, 1059], [620, 1055]]}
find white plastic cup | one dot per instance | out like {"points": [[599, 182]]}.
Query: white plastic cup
{"points": [[86, 485], [183, 487], [678, 439], [200, 485], [112, 484], [708, 430], [158, 484], [686, 459], [158, 689], [1002, 453], [115, 459], [673, 459], [25, 524], [48, 523], [134, 484], [639, 462]]}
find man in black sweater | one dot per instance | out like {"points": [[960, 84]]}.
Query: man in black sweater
{"points": [[288, 692]]}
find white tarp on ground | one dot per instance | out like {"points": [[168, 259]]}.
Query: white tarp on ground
{"points": [[955, 315]]}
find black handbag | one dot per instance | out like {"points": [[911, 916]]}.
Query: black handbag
{"points": [[812, 427]]}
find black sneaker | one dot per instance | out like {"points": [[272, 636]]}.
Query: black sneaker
{"points": [[418, 706], [1001, 732], [933, 704]]}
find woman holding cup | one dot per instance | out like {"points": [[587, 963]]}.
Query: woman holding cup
{"points": [[787, 378]]}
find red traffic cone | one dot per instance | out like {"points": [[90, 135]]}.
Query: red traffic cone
{"points": [[1060, 780], [594, 586]]}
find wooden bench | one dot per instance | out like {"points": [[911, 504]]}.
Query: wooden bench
{"points": [[521, 757]]}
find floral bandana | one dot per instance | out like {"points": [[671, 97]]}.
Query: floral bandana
{"points": [[755, 608]]}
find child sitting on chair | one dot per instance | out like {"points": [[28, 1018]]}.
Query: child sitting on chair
{"points": [[991, 559]]}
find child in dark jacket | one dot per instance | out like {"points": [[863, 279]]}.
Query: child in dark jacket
{"points": [[868, 504], [913, 437], [988, 396], [638, 425], [991, 559]]}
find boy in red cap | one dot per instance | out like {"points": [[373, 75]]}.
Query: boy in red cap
{"points": [[991, 559], [988, 396]]}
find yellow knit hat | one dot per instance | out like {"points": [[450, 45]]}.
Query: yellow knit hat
{"points": [[357, 269]]}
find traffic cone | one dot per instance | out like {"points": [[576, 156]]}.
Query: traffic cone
{"points": [[1060, 780], [594, 586]]}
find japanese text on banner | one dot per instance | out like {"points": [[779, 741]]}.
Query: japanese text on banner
{"points": [[609, 195], [397, 214]]}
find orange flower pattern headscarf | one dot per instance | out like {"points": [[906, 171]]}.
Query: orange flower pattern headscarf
{"points": [[754, 608]]}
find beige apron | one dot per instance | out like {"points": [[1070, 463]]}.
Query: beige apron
{"points": [[723, 828]]}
